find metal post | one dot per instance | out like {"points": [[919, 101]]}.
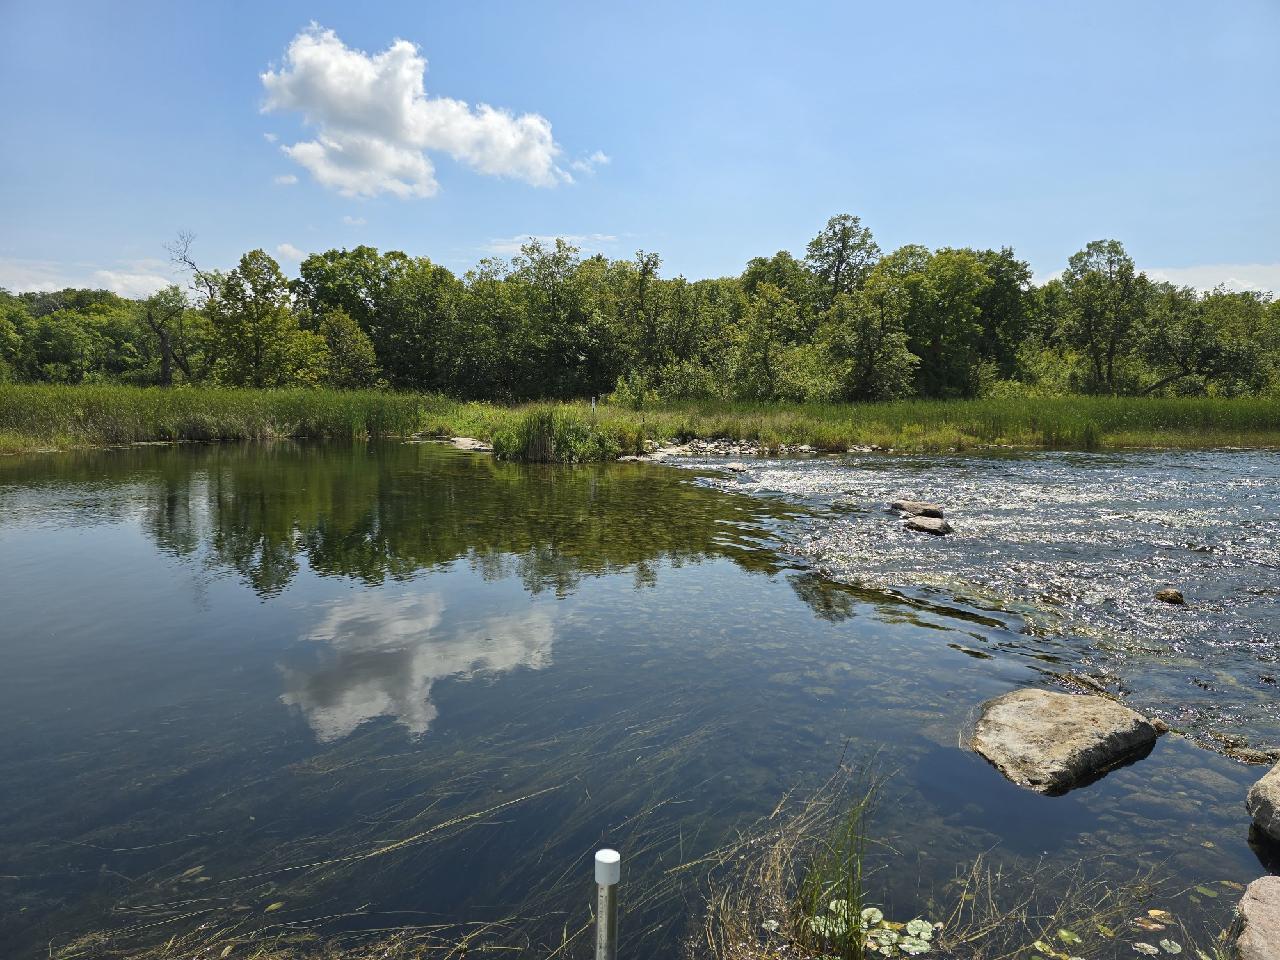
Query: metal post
{"points": [[608, 871]]}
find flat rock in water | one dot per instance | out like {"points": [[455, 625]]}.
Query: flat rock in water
{"points": [[1051, 742], [917, 508], [1259, 910], [1170, 595], [1263, 803], [471, 443], [934, 525]]}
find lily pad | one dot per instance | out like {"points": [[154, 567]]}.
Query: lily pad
{"points": [[913, 946], [921, 929]]}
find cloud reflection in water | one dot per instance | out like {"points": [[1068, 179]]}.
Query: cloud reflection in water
{"points": [[384, 653]]}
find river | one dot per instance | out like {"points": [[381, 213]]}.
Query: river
{"points": [[345, 687]]}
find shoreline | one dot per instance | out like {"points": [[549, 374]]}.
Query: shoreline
{"points": [[37, 419]]}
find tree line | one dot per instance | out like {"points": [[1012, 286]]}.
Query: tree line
{"points": [[844, 322]]}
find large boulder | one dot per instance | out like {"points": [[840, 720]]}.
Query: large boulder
{"points": [[1259, 937], [917, 508], [1263, 803], [935, 525], [1051, 742], [1171, 595]]}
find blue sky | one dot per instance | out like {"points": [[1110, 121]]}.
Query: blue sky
{"points": [[731, 130]]}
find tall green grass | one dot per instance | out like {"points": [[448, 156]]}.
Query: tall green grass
{"points": [[554, 435], [53, 416], [43, 417]]}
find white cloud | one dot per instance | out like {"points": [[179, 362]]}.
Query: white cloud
{"points": [[589, 164], [287, 251], [1233, 276], [129, 284], [134, 278], [285, 180], [351, 221], [587, 242], [270, 137], [375, 123]]}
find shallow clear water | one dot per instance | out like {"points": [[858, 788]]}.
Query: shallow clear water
{"points": [[396, 684], [1075, 546]]}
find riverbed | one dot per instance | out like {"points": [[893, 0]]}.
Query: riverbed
{"points": [[345, 687]]}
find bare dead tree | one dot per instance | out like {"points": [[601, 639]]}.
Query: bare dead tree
{"points": [[204, 282]]}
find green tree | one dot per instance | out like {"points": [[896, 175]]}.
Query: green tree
{"points": [[866, 340], [841, 257], [13, 321], [1104, 299], [164, 314], [940, 298], [1005, 308], [352, 362], [569, 335], [1215, 343], [259, 340], [415, 322], [768, 328]]}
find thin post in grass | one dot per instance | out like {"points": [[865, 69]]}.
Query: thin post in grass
{"points": [[608, 872]]}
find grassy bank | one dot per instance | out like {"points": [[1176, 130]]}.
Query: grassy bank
{"points": [[52, 417]]}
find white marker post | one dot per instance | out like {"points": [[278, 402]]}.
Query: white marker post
{"points": [[608, 872]]}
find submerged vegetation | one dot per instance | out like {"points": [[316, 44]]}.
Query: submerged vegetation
{"points": [[36, 417], [801, 885]]}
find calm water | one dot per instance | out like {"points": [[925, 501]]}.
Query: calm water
{"points": [[398, 684]]}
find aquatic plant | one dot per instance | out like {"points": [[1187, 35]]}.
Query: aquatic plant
{"points": [[554, 434], [767, 899], [46, 416]]}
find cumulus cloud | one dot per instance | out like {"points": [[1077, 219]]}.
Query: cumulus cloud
{"points": [[1233, 276], [286, 180], [351, 221], [287, 251], [589, 242], [133, 278], [270, 137], [375, 124]]}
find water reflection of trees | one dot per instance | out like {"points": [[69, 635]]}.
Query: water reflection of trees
{"points": [[386, 512]]}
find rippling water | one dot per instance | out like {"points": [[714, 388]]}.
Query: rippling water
{"points": [[384, 684], [1075, 546]]}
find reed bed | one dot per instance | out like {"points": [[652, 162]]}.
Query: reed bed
{"points": [[59, 417]]}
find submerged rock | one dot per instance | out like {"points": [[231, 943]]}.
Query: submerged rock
{"points": [[1051, 742], [1170, 595], [934, 525], [1263, 803], [917, 508], [1259, 910]]}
